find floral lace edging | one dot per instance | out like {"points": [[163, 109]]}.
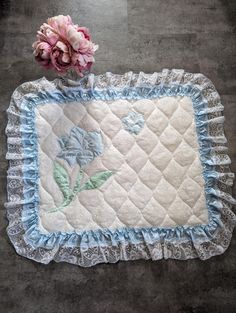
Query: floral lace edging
{"points": [[184, 249]]}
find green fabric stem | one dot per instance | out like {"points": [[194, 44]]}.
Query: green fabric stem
{"points": [[62, 179]]}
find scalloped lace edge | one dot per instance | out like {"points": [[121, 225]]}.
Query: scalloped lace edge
{"points": [[181, 249]]}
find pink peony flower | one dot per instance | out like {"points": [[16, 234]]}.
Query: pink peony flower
{"points": [[61, 57], [46, 35], [59, 25], [42, 52], [85, 31], [61, 45], [74, 37], [84, 58]]}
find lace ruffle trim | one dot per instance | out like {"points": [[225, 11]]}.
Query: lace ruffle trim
{"points": [[208, 242]]}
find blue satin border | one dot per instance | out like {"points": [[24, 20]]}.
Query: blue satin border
{"points": [[103, 237]]}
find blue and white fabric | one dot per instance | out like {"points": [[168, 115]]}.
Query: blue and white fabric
{"points": [[118, 167]]}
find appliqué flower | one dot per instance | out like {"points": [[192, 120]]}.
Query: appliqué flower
{"points": [[80, 146], [133, 122]]}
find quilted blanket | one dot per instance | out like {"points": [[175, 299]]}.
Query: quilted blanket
{"points": [[118, 167]]}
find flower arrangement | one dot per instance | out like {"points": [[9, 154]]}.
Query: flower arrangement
{"points": [[63, 46]]}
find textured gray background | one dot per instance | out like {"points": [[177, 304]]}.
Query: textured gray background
{"points": [[137, 35]]}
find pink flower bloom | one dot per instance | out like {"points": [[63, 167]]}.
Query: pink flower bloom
{"points": [[42, 52], [85, 31], [61, 57], [74, 37], [62, 45], [45, 34], [59, 24], [84, 57]]}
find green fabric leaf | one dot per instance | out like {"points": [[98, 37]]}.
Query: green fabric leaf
{"points": [[78, 182], [97, 180], [62, 179]]}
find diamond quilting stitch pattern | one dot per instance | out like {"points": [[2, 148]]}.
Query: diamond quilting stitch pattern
{"points": [[199, 245], [120, 201], [172, 139], [175, 140]]}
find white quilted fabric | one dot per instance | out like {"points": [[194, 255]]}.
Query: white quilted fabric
{"points": [[157, 180], [144, 176]]}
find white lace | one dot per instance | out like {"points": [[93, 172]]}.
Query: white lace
{"points": [[218, 241]]}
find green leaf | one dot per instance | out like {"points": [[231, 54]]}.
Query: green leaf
{"points": [[62, 179], [78, 181], [97, 180]]}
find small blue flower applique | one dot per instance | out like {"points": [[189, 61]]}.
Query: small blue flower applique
{"points": [[80, 146], [133, 122]]}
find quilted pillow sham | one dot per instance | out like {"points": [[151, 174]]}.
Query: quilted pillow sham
{"points": [[118, 167]]}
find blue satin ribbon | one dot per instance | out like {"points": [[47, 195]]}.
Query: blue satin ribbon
{"points": [[104, 237]]}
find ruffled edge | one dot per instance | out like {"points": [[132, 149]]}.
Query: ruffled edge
{"points": [[179, 242]]}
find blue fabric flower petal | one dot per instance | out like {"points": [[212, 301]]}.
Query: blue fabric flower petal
{"points": [[80, 146], [133, 122]]}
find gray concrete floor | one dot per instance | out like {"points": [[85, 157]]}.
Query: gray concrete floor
{"points": [[137, 35]]}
